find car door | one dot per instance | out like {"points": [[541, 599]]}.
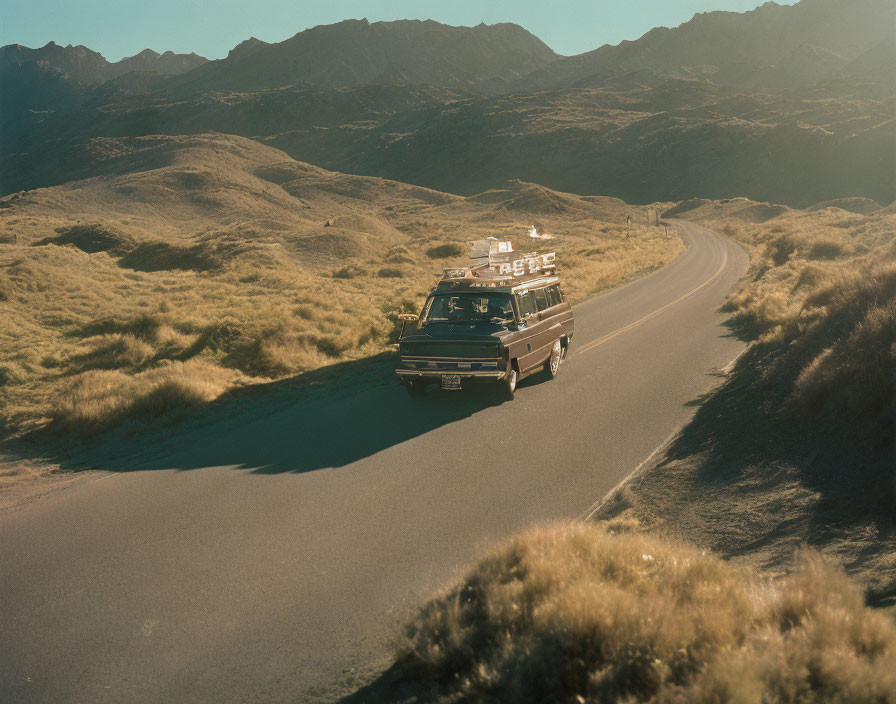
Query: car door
{"points": [[559, 311], [534, 346], [548, 326]]}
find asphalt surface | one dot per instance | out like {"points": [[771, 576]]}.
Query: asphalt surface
{"points": [[269, 553]]}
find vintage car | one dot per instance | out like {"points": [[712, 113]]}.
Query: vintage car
{"points": [[499, 320]]}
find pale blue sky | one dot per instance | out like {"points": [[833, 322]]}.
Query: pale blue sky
{"points": [[119, 28]]}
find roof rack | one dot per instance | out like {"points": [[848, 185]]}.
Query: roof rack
{"points": [[496, 265]]}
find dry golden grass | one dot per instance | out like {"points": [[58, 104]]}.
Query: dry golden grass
{"points": [[94, 400], [822, 291], [220, 253], [798, 444], [583, 613]]}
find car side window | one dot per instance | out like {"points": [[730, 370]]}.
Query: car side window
{"points": [[541, 299], [526, 303], [554, 297]]}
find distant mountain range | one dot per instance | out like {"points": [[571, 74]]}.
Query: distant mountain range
{"points": [[788, 103], [85, 66], [771, 47], [356, 52]]}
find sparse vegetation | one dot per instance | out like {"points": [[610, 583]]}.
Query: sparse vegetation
{"points": [[165, 286], [445, 251], [389, 272], [585, 613], [797, 445]]}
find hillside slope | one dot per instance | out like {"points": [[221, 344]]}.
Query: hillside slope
{"points": [[185, 266], [798, 444]]}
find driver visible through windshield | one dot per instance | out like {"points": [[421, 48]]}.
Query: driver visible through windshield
{"points": [[493, 308]]}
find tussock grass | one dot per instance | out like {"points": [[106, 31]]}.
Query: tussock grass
{"points": [[856, 373], [821, 299], [256, 267], [94, 400], [580, 613], [445, 251], [390, 272], [798, 444]]}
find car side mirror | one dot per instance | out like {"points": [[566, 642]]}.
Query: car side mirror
{"points": [[404, 319]]}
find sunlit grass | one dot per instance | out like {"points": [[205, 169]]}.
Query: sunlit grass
{"points": [[251, 266], [580, 613]]}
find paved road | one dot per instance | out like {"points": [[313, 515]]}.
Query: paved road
{"points": [[267, 554]]}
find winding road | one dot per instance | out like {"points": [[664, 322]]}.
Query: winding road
{"points": [[268, 552]]}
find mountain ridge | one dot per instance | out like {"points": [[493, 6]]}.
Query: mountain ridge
{"points": [[790, 103], [358, 52], [87, 66], [736, 49]]}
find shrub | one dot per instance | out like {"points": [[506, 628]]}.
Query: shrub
{"points": [[390, 273], [399, 258], [780, 249], [8, 375], [305, 312], [118, 350], [855, 323], [825, 249], [575, 613], [95, 400], [348, 272], [445, 251], [731, 230]]}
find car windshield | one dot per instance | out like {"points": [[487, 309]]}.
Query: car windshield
{"points": [[470, 307]]}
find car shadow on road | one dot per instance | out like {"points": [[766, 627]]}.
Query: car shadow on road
{"points": [[330, 417]]}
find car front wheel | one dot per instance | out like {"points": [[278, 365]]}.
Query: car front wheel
{"points": [[509, 383]]}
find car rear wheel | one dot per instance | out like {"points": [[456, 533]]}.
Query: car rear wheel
{"points": [[415, 387], [509, 383], [564, 348], [552, 365]]}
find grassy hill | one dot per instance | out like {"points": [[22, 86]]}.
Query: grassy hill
{"points": [[797, 445], [189, 265]]}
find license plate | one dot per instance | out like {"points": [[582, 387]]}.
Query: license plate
{"points": [[450, 381]]}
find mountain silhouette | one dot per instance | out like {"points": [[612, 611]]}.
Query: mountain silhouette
{"points": [[790, 104], [86, 66], [358, 52]]}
